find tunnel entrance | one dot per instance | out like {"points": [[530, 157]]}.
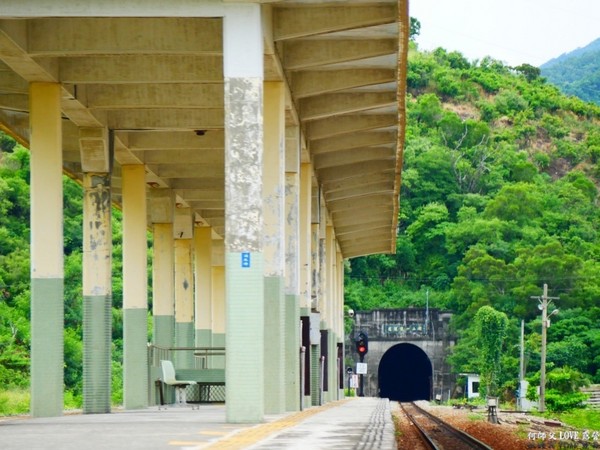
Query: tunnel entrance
{"points": [[405, 374]]}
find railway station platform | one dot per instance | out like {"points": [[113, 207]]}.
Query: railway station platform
{"points": [[354, 423]]}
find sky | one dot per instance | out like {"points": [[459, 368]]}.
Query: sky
{"points": [[512, 31]]}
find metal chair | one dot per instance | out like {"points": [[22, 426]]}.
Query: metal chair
{"points": [[168, 377]]}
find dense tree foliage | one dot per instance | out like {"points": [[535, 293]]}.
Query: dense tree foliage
{"points": [[15, 275], [491, 328], [499, 196], [577, 73]]}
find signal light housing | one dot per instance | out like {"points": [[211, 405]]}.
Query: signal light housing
{"points": [[362, 344]]}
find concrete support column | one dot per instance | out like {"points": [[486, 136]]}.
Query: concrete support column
{"points": [[274, 235], [306, 272], [315, 240], [135, 288], [47, 272], [203, 292], [184, 288], [322, 300], [330, 311], [292, 269], [315, 300], [305, 238], [218, 319], [96, 162], [97, 293], [162, 203], [243, 73], [163, 310], [340, 328]]}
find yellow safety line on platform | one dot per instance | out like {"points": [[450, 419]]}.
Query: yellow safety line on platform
{"points": [[251, 436], [214, 433]]}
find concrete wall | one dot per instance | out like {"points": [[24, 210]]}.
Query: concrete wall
{"points": [[387, 328]]}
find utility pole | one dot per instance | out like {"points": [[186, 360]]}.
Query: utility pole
{"points": [[544, 302], [521, 367]]}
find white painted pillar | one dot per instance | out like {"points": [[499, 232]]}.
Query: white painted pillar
{"points": [[306, 281], [183, 227], [135, 288], [274, 240], [97, 293], [162, 203], [292, 269], [203, 292], [97, 269], [340, 329], [243, 73], [47, 261], [330, 307], [218, 299]]}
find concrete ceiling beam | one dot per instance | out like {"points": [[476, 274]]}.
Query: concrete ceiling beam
{"points": [[141, 69], [313, 108], [359, 191], [174, 140], [368, 202], [211, 157], [359, 169], [364, 181], [118, 35], [146, 95], [353, 156], [301, 22], [306, 54], [315, 82], [187, 170], [352, 140], [350, 123], [165, 119]]}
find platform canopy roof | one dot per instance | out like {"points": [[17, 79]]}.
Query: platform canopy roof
{"points": [[152, 73]]}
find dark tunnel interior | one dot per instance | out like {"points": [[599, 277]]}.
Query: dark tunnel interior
{"points": [[405, 374]]}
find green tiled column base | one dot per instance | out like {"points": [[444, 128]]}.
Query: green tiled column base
{"points": [[292, 357], [184, 337], [332, 393], [163, 335], [97, 362], [218, 340], [135, 358], [47, 347], [164, 331], [274, 345], [315, 374], [245, 339], [203, 338]]}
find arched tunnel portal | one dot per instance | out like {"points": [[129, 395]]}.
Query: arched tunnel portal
{"points": [[405, 374]]}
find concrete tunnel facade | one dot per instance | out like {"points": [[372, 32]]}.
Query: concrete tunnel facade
{"points": [[407, 355]]}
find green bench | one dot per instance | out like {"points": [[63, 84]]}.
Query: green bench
{"points": [[210, 387]]}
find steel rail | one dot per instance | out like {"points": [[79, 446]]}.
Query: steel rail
{"points": [[466, 438]]}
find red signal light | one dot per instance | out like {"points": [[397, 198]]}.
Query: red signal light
{"points": [[362, 349]]}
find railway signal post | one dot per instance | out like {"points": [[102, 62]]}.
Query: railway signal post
{"points": [[362, 347]]}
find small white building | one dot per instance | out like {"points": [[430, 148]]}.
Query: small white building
{"points": [[472, 388]]}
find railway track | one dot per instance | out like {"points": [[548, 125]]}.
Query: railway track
{"points": [[437, 434]]}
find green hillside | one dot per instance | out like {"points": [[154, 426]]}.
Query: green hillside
{"points": [[577, 73], [499, 196]]}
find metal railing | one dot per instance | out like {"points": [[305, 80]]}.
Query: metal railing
{"points": [[200, 355], [201, 358]]}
